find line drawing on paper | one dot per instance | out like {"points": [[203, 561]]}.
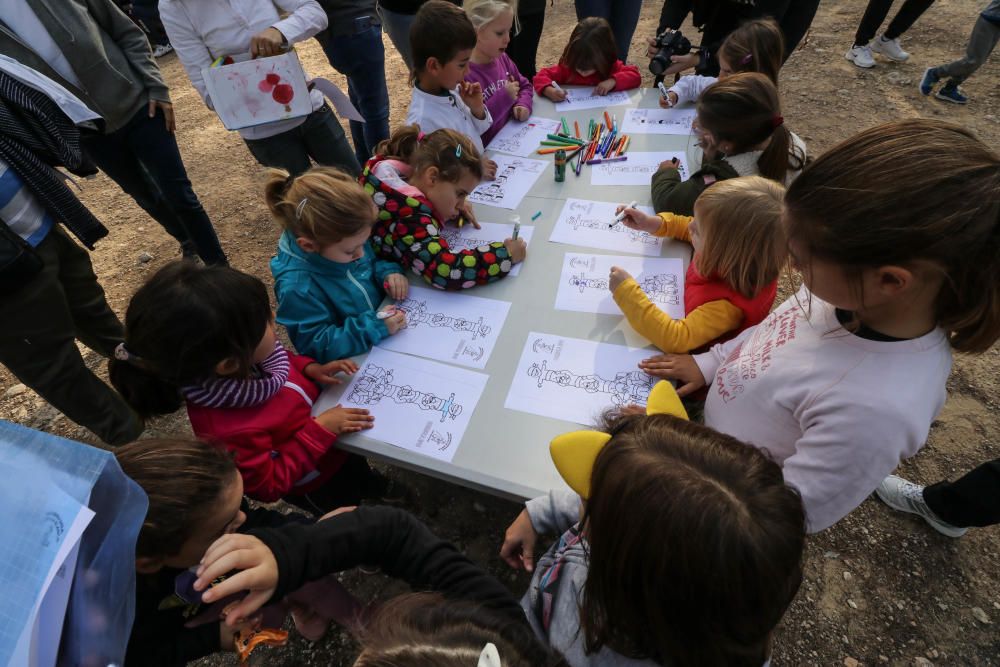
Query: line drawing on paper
{"points": [[441, 441], [625, 388], [659, 287], [376, 383], [456, 241], [417, 314], [496, 190]]}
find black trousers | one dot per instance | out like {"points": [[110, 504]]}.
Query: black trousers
{"points": [[971, 500], [523, 47], [877, 11]]}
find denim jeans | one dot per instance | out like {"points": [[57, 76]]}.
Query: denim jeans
{"points": [[320, 137], [876, 12], [361, 58], [143, 159], [523, 47], [397, 26], [623, 15]]}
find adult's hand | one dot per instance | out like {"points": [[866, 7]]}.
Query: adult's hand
{"points": [[168, 113], [269, 42]]}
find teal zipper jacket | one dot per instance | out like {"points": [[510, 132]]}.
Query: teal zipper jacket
{"points": [[328, 308]]}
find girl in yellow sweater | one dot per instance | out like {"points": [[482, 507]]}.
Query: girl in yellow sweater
{"points": [[739, 250]]}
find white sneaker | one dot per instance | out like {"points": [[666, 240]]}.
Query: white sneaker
{"points": [[161, 50], [889, 48], [861, 56], [905, 496]]}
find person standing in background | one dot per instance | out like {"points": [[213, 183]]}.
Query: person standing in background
{"points": [[523, 47], [353, 44], [397, 17], [886, 44], [98, 54], [623, 15]]}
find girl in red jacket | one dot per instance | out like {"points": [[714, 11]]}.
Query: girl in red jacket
{"points": [[205, 336], [590, 59]]}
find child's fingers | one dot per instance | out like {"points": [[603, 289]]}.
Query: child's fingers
{"points": [[237, 560], [247, 607], [222, 546], [687, 389]]}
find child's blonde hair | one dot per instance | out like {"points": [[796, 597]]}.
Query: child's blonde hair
{"points": [[744, 243], [451, 152], [482, 12], [323, 204]]}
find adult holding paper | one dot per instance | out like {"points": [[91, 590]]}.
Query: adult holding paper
{"points": [[205, 30], [97, 53]]}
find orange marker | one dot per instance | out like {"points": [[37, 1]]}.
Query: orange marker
{"points": [[607, 119], [576, 127]]}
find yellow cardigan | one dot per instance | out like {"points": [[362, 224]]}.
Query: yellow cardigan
{"points": [[702, 325]]}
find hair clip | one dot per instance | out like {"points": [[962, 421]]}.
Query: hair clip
{"points": [[121, 354], [745, 59], [458, 150], [300, 207], [420, 136], [490, 656], [777, 121]]}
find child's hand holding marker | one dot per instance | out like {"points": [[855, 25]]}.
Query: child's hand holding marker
{"points": [[517, 248], [466, 214], [621, 212], [394, 318], [635, 219], [667, 98], [396, 286], [672, 163], [554, 92]]}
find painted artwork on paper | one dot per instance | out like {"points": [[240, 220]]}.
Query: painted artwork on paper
{"points": [[247, 92]]}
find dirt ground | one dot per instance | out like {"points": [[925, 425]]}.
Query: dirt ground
{"points": [[880, 588]]}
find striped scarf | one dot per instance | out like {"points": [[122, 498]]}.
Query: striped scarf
{"points": [[269, 376], [35, 137]]}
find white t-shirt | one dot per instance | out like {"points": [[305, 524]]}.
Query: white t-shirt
{"points": [[435, 112], [837, 411], [20, 18]]}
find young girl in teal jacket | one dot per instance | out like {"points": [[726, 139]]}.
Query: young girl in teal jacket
{"points": [[326, 277]]}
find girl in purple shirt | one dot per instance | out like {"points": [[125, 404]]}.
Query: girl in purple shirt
{"points": [[507, 93]]}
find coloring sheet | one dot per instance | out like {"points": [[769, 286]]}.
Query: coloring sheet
{"points": [[583, 285], [515, 176], [523, 138], [249, 92], [458, 328], [637, 170], [659, 121], [468, 236], [584, 98], [418, 404], [576, 380], [592, 224]]}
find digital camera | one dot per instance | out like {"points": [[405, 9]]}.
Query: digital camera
{"points": [[668, 43]]}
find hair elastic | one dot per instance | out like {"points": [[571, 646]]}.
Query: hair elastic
{"points": [[300, 207], [420, 136], [745, 59], [122, 354], [777, 121], [490, 656]]}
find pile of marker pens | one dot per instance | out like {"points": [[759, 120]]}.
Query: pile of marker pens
{"points": [[603, 143]]}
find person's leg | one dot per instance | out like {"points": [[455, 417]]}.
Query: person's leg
{"points": [[586, 8], [283, 151], [326, 142], [874, 14], [354, 482], [796, 21], [523, 47], [361, 58], [971, 500], [147, 12], [397, 26], [38, 344], [156, 149], [906, 17], [982, 41], [624, 18]]}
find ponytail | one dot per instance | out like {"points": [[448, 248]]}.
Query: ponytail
{"points": [[401, 144], [774, 161], [323, 204]]}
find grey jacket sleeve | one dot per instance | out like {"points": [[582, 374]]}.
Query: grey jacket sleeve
{"points": [[133, 43], [555, 513]]}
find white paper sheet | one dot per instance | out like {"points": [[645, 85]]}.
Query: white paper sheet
{"points": [[583, 285], [515, 176], [418, 404], [467, 236], [659, 121], [252, 92], [341, 102], [523, 138], [458, 328], [637, 170], [584, 98], [576, 380], [592, 224]]}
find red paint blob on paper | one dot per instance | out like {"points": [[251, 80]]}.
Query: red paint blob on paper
{"points": [[264, 86], [283, 93], [273, 79]]}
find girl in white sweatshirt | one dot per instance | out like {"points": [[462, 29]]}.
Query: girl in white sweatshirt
{"points": [[896, 233]]}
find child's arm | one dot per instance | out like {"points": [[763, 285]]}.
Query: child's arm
{"points": [[271, 468], [547, 76], [688, 88], [702, 325], [662, 224], [391, 278], [314, 332], [626, 77], [526, 93], [670, 194], [188, 45], [555, 512]]}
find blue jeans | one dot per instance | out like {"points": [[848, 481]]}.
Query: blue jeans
{"points": [[623, 15], [320, 137], [397, 26], [361, 58], [143, 159]]}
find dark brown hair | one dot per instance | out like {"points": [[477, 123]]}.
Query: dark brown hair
{"points": [[323, 204], [755, 46], [695, 545], [437, 149], [745, 110], [591, 46], [907, 191], [180, 324], [425, 630], [183, 480], [439, 30]]}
